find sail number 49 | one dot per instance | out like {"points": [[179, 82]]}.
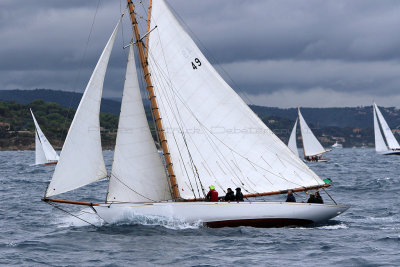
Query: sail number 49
{"points": [[196, 63]]}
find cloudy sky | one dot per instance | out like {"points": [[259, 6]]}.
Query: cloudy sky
{"points": [[284, 53]]}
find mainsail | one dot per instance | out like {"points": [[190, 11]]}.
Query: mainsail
{"points": [[292, 140], [213, 136], [137, 173], [390, 139], [311, 145], [44, 152], [81, 160]]}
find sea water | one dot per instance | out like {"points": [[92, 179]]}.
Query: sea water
{"points": [[34, 233]]}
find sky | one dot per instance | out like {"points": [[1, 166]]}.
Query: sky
{"points": [[282, 53]]}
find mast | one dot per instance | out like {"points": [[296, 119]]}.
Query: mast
{"points": [[146, 54], [153, 101]]}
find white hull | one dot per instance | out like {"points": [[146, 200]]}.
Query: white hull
{"points": [[221, 214], [389, 152], [319, 160]]}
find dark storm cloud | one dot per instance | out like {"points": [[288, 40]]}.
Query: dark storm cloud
{"points": [[271, 48]]}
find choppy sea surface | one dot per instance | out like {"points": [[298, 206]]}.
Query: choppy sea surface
{"points": [[33, 233]]}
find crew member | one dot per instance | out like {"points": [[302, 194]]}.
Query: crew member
{"points": [[290, 196], [318, 198], [239, 195], [212, 195], [230, 196]]}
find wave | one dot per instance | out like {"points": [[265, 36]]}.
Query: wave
{"points": [[88, 217]]}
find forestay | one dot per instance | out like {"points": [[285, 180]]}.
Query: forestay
{"points": [[213, 136], [137, 173], [311, 145], [44, 152], [292, 140], [391, 140], [81, 160], [380, 145]]}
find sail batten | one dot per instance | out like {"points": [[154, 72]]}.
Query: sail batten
{"points": [[213, 136], [81, 160], [137, 173], [390, 139]]}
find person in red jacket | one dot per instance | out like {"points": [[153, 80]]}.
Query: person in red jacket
{"points": [[212, 195]]}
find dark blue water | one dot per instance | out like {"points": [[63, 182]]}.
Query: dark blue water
{"points": [[34, 233]]}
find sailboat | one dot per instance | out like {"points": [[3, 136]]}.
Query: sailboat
{"points": [[207, 133], [312, 148], [44, 152], [391, 146]]}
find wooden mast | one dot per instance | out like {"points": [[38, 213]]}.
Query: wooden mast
{"points": [[153, 101], [146, 53]]}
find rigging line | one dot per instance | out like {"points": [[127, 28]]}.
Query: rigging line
{"points": [[127, 186], [79, 73], [184, 166], [71, 214]]}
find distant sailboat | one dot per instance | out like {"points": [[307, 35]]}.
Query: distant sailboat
{"points": [[188, 99], [312, 148], [44, 152], [391, 146]]}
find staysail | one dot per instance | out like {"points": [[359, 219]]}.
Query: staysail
{"points": [[81, 160], [44, 152], [137, 173], [292, 140], [380, 145], [311, 145], [390, 139], [213, 136]]}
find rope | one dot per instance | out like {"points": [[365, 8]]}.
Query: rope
{"points": [[127, 186], [73, 215]]}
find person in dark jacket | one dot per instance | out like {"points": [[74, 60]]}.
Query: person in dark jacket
{"points": [[318, 198], [212, 195], [290, 196], [311, 199], [230, 196], [239, 195]]}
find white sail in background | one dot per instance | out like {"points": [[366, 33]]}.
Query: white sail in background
{"points": [[137, 173], [292, 140], [390, 139], [213, 136], [81, 160], [40, 157], [44, 152], [311, 145], [380, 145]]}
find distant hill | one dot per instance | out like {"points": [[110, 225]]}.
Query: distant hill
{"points": [[63, 98], [355, 117], [17, 128]]}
